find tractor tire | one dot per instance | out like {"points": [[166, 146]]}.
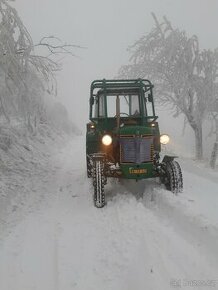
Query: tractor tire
{"points": [[173, 179], [98, 183], [88, 167]]}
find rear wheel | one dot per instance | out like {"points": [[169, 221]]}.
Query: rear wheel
{"points": [[173, 179], [98, 183]]}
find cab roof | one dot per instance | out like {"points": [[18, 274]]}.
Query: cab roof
{"points": [[120, 86]]}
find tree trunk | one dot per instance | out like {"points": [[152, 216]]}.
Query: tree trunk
{"points": [[198, 131], [198, 142], [214, 153]]}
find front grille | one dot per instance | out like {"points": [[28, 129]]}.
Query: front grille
{"points": [[136, 149]]}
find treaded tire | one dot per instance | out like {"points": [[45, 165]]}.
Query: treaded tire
{"points": [[98, 183], [173, 179], [88, 167]]}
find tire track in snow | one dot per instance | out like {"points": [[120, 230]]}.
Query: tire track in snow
{"points": [[174, 212]]}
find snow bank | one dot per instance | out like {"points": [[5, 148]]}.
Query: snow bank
{"points": [[24, 156]]}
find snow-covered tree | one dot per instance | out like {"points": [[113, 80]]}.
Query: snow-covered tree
{"points": [[24, 75], [180, 71]]}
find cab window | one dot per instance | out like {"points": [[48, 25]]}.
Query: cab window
{"points": [[129, 105]]}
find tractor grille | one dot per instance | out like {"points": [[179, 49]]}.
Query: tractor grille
{"points": [[136, 149]]}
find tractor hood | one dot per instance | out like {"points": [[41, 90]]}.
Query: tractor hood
{"points": [[139, 130]]}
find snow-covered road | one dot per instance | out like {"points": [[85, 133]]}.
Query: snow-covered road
{"points": [[145, 238]]}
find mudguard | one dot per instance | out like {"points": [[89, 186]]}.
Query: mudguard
{"points": [[168, 158], [98, 156]]}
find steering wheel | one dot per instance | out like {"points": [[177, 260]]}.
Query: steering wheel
{"points": [[122, 114]]}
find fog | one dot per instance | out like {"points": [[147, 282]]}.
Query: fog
{"points": [[158, 233], [106, 29]]}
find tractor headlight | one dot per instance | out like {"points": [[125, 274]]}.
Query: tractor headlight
{"points": [[164, 139], [106, 140]]}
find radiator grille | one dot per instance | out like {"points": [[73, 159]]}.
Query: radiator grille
{"points": [[136, 149]]}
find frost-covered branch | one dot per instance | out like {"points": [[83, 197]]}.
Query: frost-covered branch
{"points": [[59, 47]]}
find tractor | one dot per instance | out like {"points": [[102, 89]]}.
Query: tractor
{"points": [[123, 139]]}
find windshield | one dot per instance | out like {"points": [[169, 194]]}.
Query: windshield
{"points": [[128, 105]]}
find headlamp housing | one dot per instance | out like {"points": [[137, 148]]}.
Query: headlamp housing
{"points": [[106, 140], [164, 139]]}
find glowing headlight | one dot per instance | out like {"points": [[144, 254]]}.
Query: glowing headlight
{"points": [[106, 140], [164, 139]]}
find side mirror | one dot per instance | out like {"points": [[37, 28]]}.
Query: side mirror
{"points": [[150, 98]]}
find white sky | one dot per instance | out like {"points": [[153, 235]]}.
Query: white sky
{"points": [[106, 28]]}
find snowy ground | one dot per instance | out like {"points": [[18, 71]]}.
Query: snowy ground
{"points": [[52, 237]]}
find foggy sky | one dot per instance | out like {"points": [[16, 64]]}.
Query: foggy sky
{"points": [[107, 28]]}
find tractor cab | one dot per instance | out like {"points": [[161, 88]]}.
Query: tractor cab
{"points": [[114, 104]]}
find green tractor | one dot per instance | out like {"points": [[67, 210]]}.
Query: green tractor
{"points": [[123, 138]]}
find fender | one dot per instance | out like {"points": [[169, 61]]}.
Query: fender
{"points": [[168, 158], [98, 156]]}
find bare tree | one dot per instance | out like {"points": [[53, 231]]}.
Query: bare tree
{"points": [[180, 71]]}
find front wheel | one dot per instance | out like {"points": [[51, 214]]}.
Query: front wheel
{"points": [[172, 178], [98, 183], [88, 167]]}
